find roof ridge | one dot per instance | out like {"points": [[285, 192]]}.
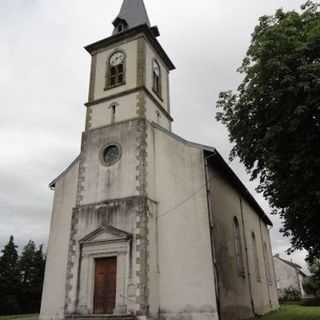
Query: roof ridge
{"points": [[292, 264]]}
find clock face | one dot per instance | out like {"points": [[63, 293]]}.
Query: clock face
{"points": [[117, 58], [111, 154], [156, 68]]}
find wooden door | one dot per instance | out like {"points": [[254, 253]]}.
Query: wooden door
{"points": [[105, 285]]}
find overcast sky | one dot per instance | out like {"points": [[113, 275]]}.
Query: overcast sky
{"points": [[44, 73]]}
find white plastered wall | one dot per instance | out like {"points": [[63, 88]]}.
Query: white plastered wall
{"points": [[153, 114], [101, 114], [264, 292], [126, 108], [233, 287], [53, 297], [273, 284], [186, 280], [235, 300], [118, 180]]}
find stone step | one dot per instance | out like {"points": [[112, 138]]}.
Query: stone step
{"points": [[100, 317]]}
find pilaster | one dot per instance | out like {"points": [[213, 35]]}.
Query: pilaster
{"points": [[141, 62]]}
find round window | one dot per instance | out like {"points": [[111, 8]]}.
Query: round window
{"points": [[111, 154]]}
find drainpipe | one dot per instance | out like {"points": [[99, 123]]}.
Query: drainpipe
{"points": [[247, 259], [211, 227]]}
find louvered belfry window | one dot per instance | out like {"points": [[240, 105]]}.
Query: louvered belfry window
{"points": [[115, 75], [156, 78]]}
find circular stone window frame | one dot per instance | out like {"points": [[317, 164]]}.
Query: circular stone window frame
{"points": [[102, 153]]}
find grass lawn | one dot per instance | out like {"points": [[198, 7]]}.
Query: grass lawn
{"points": [[293, 312], [20, 317]]}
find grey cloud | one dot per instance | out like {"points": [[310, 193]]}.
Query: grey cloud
{"points": [[44, 83]]}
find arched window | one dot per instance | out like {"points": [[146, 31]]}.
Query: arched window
{"points": [[238, 247], [156, 78], [116, 70], [256, 257]]}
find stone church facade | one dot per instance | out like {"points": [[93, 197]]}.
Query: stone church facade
{"points": [[146, 224]]}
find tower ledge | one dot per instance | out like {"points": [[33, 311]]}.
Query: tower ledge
{"points": [[145, 29]]}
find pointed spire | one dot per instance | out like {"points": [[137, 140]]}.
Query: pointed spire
{"points": [[133, 13]]}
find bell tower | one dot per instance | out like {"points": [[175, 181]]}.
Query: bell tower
{"points": [[129, 72], [110, 258]]}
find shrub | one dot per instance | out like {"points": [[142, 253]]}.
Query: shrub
{"points": [[291, 294]]}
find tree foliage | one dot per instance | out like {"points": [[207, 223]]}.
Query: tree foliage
{"points": [[312, 283], [21, 278], [274, 120], [9, 279], [290, 294], [31, 269]]}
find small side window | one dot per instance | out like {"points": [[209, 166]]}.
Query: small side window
{"points": [[156, 78]]}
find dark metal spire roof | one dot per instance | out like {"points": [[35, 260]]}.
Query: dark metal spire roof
{"points": [[133, 13]]}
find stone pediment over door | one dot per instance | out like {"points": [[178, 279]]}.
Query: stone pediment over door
{"points": [[106, 234], [106, 242]]}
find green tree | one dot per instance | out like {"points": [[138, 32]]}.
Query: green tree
{"points": [[31, 269], [312, 283], [26, 264], [9, 279], [37, 278], [274, 120], [39, 264]]}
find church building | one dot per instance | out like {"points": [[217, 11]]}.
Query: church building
{"points": [[146, 224]]}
